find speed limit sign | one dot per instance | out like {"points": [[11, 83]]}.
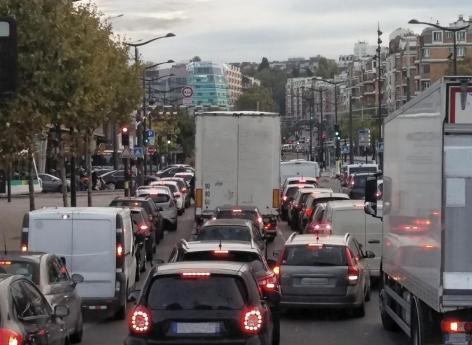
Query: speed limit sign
{"points": [[187, 91]]}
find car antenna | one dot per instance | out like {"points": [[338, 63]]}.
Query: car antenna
{"points": [[4, 244], [221, 245]]}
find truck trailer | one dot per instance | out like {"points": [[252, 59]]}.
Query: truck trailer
{"points": [[427, 215], [237, 162]]}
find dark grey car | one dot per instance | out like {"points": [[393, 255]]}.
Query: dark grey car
{"points": [[50, 274], [324, 272]]}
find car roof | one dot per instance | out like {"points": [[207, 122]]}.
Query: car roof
{"points": [[346, 204], [157, 189], [199, 246], [322, 195], [296, 239], [34, 257], [229, 221], [127, 198], [216, 267], [364, 174], [300, 185], [294, 178], [85, 210]]}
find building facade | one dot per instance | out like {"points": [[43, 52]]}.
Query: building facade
{"points": [[234, 79]]}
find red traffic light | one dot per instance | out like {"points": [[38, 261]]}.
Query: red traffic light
{"points": [[124, 130]]}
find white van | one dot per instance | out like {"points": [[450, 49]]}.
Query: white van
{"points": [[96, 242], [348, 216], [298, 168]]}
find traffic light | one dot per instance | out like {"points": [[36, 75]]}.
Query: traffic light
{"points": [[337, 132], [125, 136], [145, 138]]}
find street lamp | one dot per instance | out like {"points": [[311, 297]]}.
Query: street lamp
{"points": [[453, 30]]}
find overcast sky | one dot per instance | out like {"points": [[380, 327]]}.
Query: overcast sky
{"points": [[247, 30]]}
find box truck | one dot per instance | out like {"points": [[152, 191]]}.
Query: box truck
{"points": [[237, 162], [427, 212]]}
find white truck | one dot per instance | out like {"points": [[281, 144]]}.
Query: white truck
{"points": [[298, 168], [237, 160], [427, 216]]}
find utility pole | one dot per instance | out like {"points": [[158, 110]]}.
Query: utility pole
{"points": [[73, 190], [322, 129], [379, 92], [351, 132]]}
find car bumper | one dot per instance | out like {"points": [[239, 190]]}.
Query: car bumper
{"points": [[107, 304], [346, 301], [255, 340]]}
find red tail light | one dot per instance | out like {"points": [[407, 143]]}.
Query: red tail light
{"points": [[140, 320], [119, 250], [455, 326], [10, 337], [352, 271], [308, 212], [251, 320], [259, 220], [177, 195], [144, 227], [269, 282], [221, 252]]}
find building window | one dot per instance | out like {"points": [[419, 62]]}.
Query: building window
{"points": [[437, 36], [460, 51], [461, 36], [448, 35], [426, 69], [426, 53], [425, 84]]}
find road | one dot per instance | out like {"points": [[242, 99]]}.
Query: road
{"points": [[301, 327]]}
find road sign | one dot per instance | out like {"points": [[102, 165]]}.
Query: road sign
{"points": [[126, 154], [151, 150], [187, 92], [138, 152], [150, 133], [187, 101]]}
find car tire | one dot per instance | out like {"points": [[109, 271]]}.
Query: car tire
{"points": [[150, 248], [173, 227], [360, 310], [121, 312], [76, 337]]}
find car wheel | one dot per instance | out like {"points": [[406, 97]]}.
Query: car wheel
{"points": [[121, 312], [76, 337], [360, 310], [173, 227], [149, 251]]}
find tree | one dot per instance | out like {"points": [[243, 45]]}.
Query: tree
{"points": [[256, 98], [196, 59], [263, 65], [275, 81], [327, 69], [464, 67]]}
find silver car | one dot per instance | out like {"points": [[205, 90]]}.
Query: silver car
{"points": [[324, 272], [165, 202], [51, 276]]}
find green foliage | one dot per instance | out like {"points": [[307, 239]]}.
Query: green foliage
{"points": [[464, 67], [263, 65], [186, 139], [327, 69], [257, 97]]}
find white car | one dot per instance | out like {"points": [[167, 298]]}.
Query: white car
{"points": [[183, 187], [175, 189], [165, 202]]}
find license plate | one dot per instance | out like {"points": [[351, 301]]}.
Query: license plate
{"points": [[314, 281], [460, 338], [197, 328]]}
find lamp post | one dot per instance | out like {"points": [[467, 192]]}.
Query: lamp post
{"points": [[379, 92], [453, 30], [142, 125]]}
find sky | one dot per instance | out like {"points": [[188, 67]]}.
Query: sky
{"points": [[247, 30]]}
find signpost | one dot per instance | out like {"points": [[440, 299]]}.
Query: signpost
{"points": [[138, 152], [8, 56], [151, 136], [151, 150], [187, 93]]}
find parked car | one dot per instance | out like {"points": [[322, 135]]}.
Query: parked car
{"points": [[287, 196], [148, 204], [26, 317], [96, 242], [52, 278], [324, 272], [231, 230], [164, 200], [179, 302], [52, 183], [174, 187]]}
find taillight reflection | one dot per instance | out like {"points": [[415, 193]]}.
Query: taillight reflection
{"points": [[251, 320], [140, 320]]}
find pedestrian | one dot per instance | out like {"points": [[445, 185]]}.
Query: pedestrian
{"points": [[94, 180]]}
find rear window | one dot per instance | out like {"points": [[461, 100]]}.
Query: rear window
{"points": [[137, 217], [26, 269], [291, 191], [358, 170], [359, 181], [159, 198], [249, 215], [213, 293], [231, 256], [224, 233], [303, 197], [308, 181], [172, 187], [304, 255]]}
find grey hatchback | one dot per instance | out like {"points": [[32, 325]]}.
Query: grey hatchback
{"points": [[324, 272]]}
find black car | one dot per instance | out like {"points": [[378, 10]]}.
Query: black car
{"points": [[355, 187], [26, 317], [151, 209], [115, 179], [203, 302]]}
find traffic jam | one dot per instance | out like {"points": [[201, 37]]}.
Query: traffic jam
{"points": [[228, 283]]}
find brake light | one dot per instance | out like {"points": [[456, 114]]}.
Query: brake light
{"points": [[24, 248], [285, 198], [198, 275], [144, 227], [237, 210], [352, 271], [308, 212], [276, 270], [140, 320], [259, 220], [177, 195], [456, 326], [119, 250], [5, 263], [269, 282], [251, 320], [220, 252], [10, 337], [315, 245]]}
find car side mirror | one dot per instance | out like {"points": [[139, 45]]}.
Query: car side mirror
{"points": [[371, 209], [77, 278], [61, 311], [369, 254], [133, 296], [371, 189]]}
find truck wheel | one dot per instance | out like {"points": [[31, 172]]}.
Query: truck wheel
{"points": [[421, 328]]}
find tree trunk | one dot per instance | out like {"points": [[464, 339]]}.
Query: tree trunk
{"points": [[88, 162], [62, 168], [31, 171], [9, 180]]}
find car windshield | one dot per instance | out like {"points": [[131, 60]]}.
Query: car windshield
{"points": [[222, 255], [26, 269], [306, 255], [212, 293], [359, 181], [224, 233]]}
